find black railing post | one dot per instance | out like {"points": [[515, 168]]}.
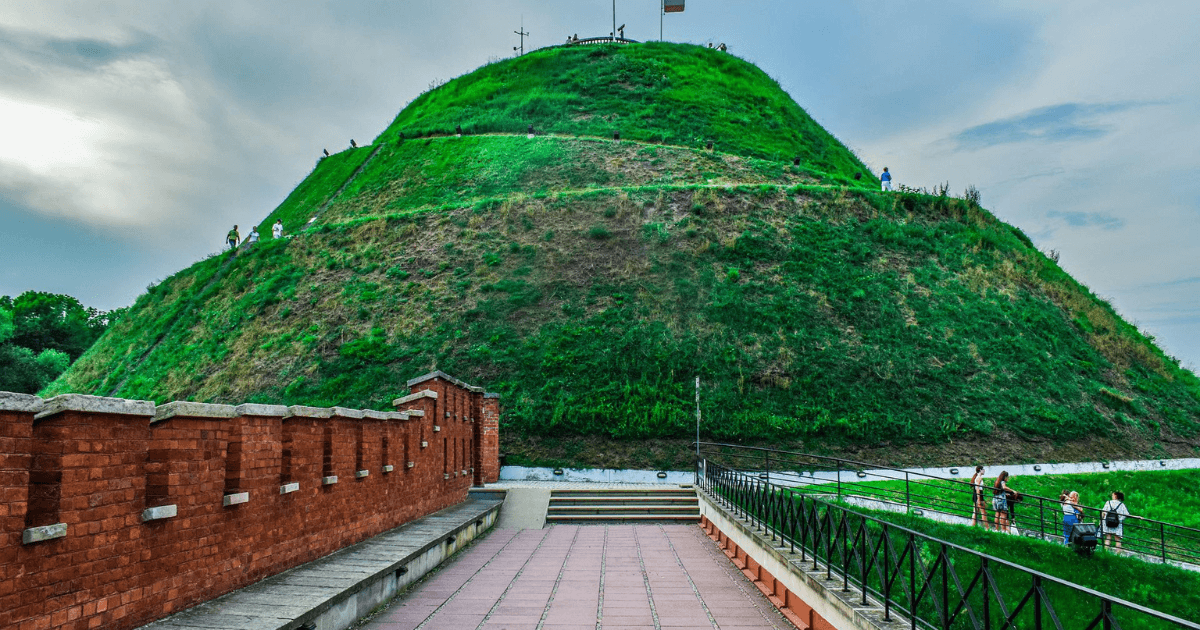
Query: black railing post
{"points": [[839, 480], [768, 466], [845, 556], [985, 587], [1042, 517], [1106, 614], [1162, 541], [887, 574], [907, 494], [912, 581], [945, 589], [1037, 602], [863, 562], [828, 544]]}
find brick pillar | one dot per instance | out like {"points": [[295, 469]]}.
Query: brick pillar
{"points": [[16, 448], [489, 439], [100, 445]]}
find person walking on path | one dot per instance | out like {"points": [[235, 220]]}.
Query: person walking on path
{"points": [[277, 229], [232, 238], [886, 179], [1112, 517], [1071, 513], [978, 509], [252, 238], [1000, 492]]}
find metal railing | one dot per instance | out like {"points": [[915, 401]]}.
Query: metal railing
{"points": [[948, 500], [600, 40], [930, 582]]}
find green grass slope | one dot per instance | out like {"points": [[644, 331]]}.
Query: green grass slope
{"points": [[656, 92], [590, 281]]}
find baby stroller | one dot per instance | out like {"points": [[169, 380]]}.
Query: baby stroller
{"points": [[1084, 537]]}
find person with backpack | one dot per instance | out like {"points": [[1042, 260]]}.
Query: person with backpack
{"points": [[1113, 520], [1071, 513]]}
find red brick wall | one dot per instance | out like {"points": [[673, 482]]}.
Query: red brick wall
{"points": [[101, 470]]}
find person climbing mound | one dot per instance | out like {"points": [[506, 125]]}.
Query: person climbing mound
{"points": [[886, 179], [232, 238]]}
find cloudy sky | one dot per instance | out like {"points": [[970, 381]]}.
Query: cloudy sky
{"points": [[134, 134]]}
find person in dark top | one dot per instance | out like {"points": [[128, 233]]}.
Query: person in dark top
{"points": [[1000, 501]]}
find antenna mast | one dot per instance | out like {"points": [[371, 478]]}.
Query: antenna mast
{"points": [[523, 34]]}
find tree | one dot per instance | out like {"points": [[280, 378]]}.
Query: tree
{"points": [[44, 321], [41, 334]]}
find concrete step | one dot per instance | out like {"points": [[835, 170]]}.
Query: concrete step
{"points": [[624, 518], [688, 492], [650, 500], [623, 509], [623, 505]]}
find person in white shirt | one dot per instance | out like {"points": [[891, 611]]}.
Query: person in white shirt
{"points": [[1114, 511], [277, 229], [253, 238]]}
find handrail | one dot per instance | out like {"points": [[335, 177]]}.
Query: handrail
{"points": [[600, 40], [797, 520], [1152, 539]]}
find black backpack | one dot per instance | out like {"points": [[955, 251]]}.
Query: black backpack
{"points": [[1112, 519]]}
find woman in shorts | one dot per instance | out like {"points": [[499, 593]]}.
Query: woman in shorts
{"points": [[1000, 492], [978, 508]]}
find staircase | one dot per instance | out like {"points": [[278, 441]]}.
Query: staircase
{"points": [[665, 505]]}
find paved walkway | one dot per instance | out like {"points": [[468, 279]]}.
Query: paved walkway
{"points": [[570, 577]]}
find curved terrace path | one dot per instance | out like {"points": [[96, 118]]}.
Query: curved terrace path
{"points": [[577, 577]]}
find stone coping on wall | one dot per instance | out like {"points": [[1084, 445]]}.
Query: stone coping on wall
{"points": [[192, 410], [45, 408], [25, 403], [425, 393], [263, 411], [95, 404], [445, 377], [491, 395], [300, 411]]}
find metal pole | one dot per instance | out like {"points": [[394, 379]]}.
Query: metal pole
{"points": [[907, 495], [697, 416], [614, 31], [839, 479], [662, 10]]}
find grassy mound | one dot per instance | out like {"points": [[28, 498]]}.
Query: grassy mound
{"points": [[590, 281]]}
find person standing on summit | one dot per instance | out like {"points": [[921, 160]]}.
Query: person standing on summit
{"points": [[886, 179]]}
